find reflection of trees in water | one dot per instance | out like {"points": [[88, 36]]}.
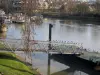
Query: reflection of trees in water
{"points": [[66, 21], [3, 35], [80, 22], [71, 22], [38, 22], [18, 26]]}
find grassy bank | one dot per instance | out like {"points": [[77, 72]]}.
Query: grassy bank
{"points": [[10, 65]]}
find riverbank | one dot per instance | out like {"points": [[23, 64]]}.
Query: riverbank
{"points": [[10, 64], [86, 17]]}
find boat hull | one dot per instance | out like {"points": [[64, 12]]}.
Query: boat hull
{"points": [[19, 22]]}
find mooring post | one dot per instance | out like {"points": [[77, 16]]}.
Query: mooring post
{"points": [[49, 47], [50, 35]]}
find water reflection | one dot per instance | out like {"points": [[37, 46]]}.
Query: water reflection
{"points": [[80, 22], [14, 31], [63, 65], [3, 35], [40, 61]]}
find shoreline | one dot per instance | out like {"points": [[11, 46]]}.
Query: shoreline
{"points": [[73, 17]]}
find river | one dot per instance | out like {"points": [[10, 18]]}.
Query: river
{"points": [[85, 32]]}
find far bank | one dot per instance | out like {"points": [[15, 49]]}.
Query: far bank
{"points": [[89, 17]]}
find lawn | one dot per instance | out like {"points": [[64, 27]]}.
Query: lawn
{"points": [[10, 65]]}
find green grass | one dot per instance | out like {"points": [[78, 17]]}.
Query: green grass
{"points": [[10, 65]]}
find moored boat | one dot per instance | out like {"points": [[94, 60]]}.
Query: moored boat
{"points": [[8, 18], [18, 18]]}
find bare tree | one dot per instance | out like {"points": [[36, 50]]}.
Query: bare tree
{"points": [[29, 6], [97, 6]]}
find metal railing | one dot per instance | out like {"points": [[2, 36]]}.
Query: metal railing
{"points": [[42, 46]]}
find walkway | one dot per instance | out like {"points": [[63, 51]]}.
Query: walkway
{"points": [[57, 47], [42, 46]]}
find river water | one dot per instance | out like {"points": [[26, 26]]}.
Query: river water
{"points": [[85, 32]]}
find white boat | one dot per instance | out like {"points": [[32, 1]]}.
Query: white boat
{"points": [[4, 18], [8, 18], [8, 21], [18, 18], [2, 13]]}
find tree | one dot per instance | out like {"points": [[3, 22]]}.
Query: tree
{"points": [[29, 6], [68, 6], [62, 8], [82, 8], [97, 7]]}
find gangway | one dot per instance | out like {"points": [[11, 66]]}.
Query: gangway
{"points": [[62, 47], [57, 47]]}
